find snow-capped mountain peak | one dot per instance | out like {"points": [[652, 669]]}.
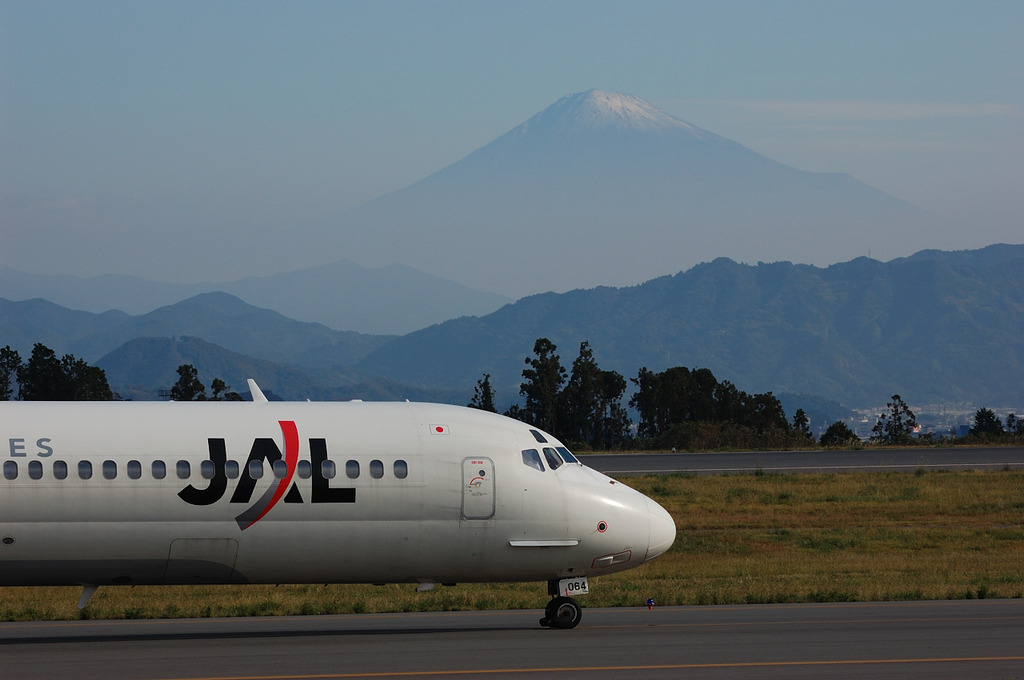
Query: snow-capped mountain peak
{"points": [[609, 178], [606, 111], [599, 108]]}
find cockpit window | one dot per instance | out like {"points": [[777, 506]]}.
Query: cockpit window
{"points": [[566, 456], [551, 456], [532, 459], [538, 436]]}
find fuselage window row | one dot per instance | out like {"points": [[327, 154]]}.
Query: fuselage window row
{"points": [[207, 469]]}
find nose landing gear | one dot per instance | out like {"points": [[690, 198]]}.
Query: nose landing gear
{"points": [[562, 612]]}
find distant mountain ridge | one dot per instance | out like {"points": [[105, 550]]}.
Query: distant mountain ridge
{"points": [[141, 367], [603, 188], [938, 327], [341, 295], [216, 317], [935, 327]]}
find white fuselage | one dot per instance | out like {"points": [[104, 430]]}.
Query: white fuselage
{"points": [[349, 493]]}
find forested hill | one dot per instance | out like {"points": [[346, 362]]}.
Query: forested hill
{"points": [[934, 327]]}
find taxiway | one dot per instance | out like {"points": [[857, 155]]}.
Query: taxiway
{"points": [[956, 639]]}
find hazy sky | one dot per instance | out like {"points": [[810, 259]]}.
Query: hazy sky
{"points": [[132, 133]]}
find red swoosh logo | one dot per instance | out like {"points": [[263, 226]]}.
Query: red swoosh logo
{"points": [[275, 493]]}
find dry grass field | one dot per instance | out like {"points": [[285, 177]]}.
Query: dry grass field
{"points": [[746, 538]]}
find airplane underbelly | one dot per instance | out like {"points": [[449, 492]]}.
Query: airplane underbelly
{"points": [[71, 553]]}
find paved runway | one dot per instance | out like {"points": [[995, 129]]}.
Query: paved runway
{"points": [[990, 458], [975, 638]]}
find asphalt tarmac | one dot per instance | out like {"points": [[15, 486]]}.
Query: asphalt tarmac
{"points": [[958, 639]]}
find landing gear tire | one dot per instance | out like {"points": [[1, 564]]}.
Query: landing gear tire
{"points": [[562, 612]]}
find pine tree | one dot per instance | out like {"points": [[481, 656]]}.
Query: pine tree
{"points": [[10, 362], [896, 426], [188, 387], [483, 395], [801, 424], [839, 434], [987, 424], [542, 384]]}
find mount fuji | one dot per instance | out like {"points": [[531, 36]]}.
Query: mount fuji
{"points": [[603, 188]]}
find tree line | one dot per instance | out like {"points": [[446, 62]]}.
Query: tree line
{"points": [[677, 408], [584, 405], [47, 377], [988, 427], [690, 409], [898, 427], [189, 388], [681, 408]]}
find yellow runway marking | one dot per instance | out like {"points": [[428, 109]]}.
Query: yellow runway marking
{"points": [[658, 667]]}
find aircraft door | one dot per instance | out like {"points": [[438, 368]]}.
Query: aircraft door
{"points": [[201, 560], [477, 488]]}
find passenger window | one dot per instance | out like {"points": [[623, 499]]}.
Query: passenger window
{"points": [[401, 469], [539, 437], [376, 469], [10, 469], [35, 470], [159, 469], [566, 456], [352, 469], [109, 469], [60, 469], [207, 469], [231, 469], [304, 469], [551, 456], [256, 469], [134, 469], [328, 469], [532, 459], [280, 469], [84, 469]]}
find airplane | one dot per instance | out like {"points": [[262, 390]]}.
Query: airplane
{"points": [[145, 493]]}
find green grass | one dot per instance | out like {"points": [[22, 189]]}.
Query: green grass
{"points": [[755, 538]]}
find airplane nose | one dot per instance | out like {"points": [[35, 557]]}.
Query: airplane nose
{"points": [[663, 530]]}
